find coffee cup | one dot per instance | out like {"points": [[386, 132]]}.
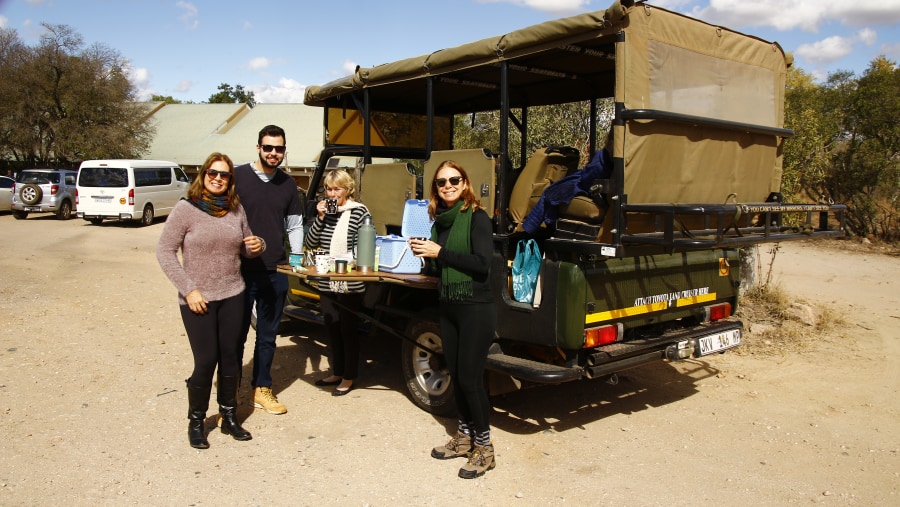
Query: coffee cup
{"points": [[331, 206], [323, 263]]}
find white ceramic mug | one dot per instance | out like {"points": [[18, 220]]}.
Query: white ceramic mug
{"points": [[323, 262]]}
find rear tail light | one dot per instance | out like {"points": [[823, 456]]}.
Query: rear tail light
{"points": [[54, 189], [603, 335], [76, 197], [131, 197], [718, 312]]}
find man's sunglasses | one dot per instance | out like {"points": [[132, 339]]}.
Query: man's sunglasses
{"points": [[440, 182], [278, 149], [213, 174]]}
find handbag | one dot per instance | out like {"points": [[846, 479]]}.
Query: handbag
{"points": [[525, 269]]}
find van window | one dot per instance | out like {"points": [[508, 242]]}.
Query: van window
{"points": [[70, 179], [152, 176], [107, 177], [180, 176]]}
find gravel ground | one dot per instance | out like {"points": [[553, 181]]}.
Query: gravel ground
{"points": [[93, 406]]}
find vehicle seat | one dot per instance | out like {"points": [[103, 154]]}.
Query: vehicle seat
{"points": [[384, 189], [544, 167]]}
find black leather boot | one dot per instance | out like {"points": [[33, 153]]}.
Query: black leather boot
{"points": [[198, 403], [228, 408]]}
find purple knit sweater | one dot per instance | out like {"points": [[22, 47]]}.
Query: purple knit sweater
{"points": [[210, 248]]}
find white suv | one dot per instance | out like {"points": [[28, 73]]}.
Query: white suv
{"points": [[44, 191]]}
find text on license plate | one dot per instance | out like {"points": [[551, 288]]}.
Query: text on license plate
{"points": [[719, 342]]}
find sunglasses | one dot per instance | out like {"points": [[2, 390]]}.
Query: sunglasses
{"points": [[213, 174], [278, 149], [440, 182]]}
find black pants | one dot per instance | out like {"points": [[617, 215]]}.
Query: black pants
{"points": [[466, 334], [215, 338], [343, 332]]}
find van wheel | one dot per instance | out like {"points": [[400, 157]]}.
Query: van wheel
{"points": [[425, 374], [147, 216], [65, 211], [31, 194], [19, 214], [96, 221]]}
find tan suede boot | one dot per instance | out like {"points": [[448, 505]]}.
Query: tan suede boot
{"points": [[459, 446], [480, 461]]}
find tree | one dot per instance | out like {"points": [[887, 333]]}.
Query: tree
{"points": [[168, 99], [63, 103], [229, 95]]}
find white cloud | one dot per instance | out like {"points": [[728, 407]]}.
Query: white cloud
{"points": [[558, 7], [826, 50], [349, 67], [806, 15], [4, 22], [184, 86], [891, 51], [867, 36], [189, 17], [248, 25], [259, 63], [286, 91], [140, 79]]}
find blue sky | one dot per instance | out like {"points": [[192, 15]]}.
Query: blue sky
{"points": [[186, 48]]}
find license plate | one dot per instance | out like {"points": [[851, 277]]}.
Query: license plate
{"points": [[719, 342], [102, 199], [32, 208]]}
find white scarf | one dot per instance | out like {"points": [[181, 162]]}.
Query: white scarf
{"points": [[339, 240], [339, 237]]}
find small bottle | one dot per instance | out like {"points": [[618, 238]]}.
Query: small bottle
{"points": [[365, 247]]}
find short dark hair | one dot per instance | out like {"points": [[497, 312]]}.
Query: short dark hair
{"points": [[271, 131]]}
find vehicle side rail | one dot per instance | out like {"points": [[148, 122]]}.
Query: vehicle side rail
{"points": [[728, 225], [654, 114]]}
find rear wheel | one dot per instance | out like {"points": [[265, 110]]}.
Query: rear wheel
{"points": [[65, 211], [31, 194], [147, 215], [426, 375]]}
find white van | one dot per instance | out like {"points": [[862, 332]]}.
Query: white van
{"points": [[128, 189]]}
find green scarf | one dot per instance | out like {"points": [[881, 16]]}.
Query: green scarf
{"points": [[455, 285]]}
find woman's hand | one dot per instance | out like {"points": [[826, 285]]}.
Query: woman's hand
{"points": [[255, 244], [424, 247], [320, 209], [196, 302]]}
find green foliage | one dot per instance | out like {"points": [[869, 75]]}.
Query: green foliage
{"points": [[847, 145], [235, 95], [168, 99], [63, 102], [556, 125]]}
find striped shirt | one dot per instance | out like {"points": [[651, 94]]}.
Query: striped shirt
{"points": [[319, 238]]}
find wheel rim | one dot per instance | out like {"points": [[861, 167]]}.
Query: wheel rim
{"points": [[430, 370]]}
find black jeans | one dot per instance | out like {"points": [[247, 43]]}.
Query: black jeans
{"points": [[343, 332], [467, 331], [215, 338]]}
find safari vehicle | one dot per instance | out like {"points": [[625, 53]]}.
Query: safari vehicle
{"points": [[653, 274]]}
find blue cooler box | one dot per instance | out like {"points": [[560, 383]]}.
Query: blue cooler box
{"points": [[395, 255]]}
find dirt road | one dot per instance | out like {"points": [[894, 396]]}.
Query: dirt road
{"points": [[93, 406]]}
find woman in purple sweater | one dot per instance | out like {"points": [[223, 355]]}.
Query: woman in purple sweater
{"points": [[210, 228]]}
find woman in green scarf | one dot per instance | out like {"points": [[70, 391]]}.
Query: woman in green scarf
{"points": [[460, 250]]}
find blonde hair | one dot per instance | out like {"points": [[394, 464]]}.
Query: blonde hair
{"points": [[340, 178]]}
